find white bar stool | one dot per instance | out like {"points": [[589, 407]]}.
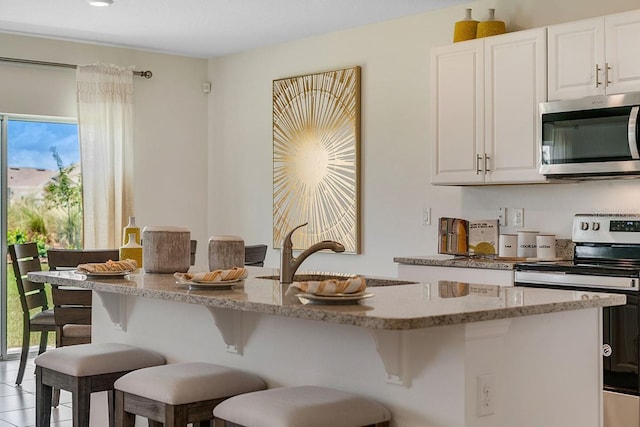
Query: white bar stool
{"points": [[84, 369], [179, 393], [303, 406]]}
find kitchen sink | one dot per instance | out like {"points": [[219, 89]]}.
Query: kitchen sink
{"points": [[309, 277], [371, 281]]}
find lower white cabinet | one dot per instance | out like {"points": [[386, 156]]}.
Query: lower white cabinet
{"points": [[431, 274]]}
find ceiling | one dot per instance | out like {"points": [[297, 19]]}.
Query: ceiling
{"points": [[199, 28]]}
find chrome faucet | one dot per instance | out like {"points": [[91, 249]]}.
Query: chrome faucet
{"points": [[289, 265]]}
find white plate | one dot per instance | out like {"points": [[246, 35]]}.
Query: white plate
{"points": [[227, 284], [211, 282], [333, 299], [104, 274]]}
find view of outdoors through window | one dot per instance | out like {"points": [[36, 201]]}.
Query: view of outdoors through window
{"points": [[44, 198]]}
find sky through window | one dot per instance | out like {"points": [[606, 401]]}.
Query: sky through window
{"points": [[30, 142]]}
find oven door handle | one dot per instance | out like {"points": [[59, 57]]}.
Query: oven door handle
{"points": [[561, 279], [632, 133]]}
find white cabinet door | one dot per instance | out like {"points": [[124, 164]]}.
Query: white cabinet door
{"points": [[457, 102], [515, 84], [595, 56], [484, 109], [622, 33], [576, 58]]}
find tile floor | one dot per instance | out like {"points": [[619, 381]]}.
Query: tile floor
{"points": [[17, 404]]}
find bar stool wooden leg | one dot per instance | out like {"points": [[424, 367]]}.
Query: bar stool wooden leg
{"points": [[43, 404], [111, 402], [81, 398]]}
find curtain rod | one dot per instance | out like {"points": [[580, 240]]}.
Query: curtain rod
{"points": [[146, 74]]}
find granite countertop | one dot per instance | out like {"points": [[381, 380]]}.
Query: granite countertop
{"points": [[564, 251], [458, 261], [399, 307]]}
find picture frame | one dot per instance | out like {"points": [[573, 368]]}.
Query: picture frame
{"points": [[316, 158]]}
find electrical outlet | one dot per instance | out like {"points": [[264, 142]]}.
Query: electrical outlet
{"points": [[426, 216], [486, 395], [517, 217], [502, 216]]}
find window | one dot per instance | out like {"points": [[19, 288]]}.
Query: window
{"points": [[44, 183], [44, 197]]}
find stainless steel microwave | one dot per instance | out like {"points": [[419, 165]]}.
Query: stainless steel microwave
{"points": [[592, 137]]}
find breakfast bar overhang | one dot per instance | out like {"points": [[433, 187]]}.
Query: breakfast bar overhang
{"points": [[444, 354]]}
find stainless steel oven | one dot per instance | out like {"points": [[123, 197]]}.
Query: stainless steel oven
{"points": [[606, 258]]}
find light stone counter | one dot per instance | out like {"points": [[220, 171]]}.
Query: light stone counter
{"points": [[564, 250], [457, 261], [401, 307], [519, 340]]}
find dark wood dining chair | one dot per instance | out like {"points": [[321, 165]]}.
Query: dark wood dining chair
{"points": [[72, 306], [37, 317], [254, 255], [63, 259]]}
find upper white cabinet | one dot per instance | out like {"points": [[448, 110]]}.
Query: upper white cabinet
{"points": [[594, 56], [484, 109]]}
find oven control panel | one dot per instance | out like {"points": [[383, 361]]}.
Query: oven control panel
{"points": [[606, 228]]}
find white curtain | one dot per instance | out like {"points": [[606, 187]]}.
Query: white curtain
{"points": [[105, 127]]}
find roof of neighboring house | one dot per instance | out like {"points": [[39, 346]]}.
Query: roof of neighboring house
{"points": [[24, 178], [22, 181]]}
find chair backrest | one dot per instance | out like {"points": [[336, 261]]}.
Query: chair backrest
{"points": [[25, 259], [70, 258], [255, 255], [71, 305]]}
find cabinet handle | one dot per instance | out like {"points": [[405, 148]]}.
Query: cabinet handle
{"points": [[607, 82], [598, 69], [478, 160], [486, 163]]}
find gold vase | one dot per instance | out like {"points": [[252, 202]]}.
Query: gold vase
{"points": [[465, 29], [490, 27], [132, 250], [131, 228]]}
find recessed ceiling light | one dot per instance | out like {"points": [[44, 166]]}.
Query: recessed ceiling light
{"points": [[100, 3]]}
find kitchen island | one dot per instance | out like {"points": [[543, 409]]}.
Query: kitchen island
{"points": [[436, 354]]}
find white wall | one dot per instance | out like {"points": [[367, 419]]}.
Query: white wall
{"points": [[176, 124], [169, 114], [394, 57]]}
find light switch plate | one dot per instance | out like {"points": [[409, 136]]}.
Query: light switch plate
{"points": [[426, 216], [502, 216], [517, 216]]}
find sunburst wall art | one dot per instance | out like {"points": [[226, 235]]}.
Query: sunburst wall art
{"points": [[316, 145]]}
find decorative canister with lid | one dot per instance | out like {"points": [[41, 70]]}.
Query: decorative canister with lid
{"points": [[166, 249], [225, 252]]}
